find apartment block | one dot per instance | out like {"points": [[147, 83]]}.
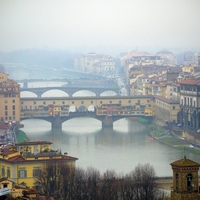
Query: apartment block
{"points": [[9, 99]]}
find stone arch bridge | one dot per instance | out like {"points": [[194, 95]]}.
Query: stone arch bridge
{"points": [[106, 109], [71, 90]]}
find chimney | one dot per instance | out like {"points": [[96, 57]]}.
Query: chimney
{"points": [[65, 154]]}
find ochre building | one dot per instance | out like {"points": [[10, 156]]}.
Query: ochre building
{"points": [[21, 163], [9, 99]]}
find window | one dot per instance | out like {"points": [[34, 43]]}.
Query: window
{"points": [[91, 102], [6, 113], [6, 107], [3, 171], [101, 102], [34, 102], [72, 102], [22, 173], [110, 101], [8, 172], [13, 107], [82, 102], [22, 102], [44, 102], [189, 182], [13, 112], [63, 102], [120, 101], [173, 107]]}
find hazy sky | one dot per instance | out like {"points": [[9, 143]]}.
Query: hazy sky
{"points": [[67, 24]]}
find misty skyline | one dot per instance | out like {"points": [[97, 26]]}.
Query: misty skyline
{"points": [[92, 25]]}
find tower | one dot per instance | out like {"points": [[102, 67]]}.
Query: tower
{"points": [[185, 179]]}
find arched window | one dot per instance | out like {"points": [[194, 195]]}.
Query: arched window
{"points": [[189, 182]]}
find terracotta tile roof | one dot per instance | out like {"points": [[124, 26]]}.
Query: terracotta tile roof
{"points": [[166, 100], [18, 158], [189, 82], [176, 84], [185, 163], [33, 143], [7, 151]]}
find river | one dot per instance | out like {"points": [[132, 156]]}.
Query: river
{"points": [[120, 149]]}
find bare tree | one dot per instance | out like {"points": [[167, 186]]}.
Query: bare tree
{"points": [[109, 188], [144, 183], [59, 180], [50, 178], [93, 178], [126, 188]]}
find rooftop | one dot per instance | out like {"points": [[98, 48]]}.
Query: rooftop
{"points": [[185, 163], [169, 101], [32, 143]]}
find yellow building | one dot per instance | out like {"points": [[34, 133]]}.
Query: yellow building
{"points": [[147, 88], [166, 110], [20, 163], [188, 68], [9, 99]]}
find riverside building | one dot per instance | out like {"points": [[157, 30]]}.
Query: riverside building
{"points": [[22, 162], [9, 99]]}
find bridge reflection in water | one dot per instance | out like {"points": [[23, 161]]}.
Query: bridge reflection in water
{"points": [[57, 110]]}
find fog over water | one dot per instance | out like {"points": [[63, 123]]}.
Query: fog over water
{"points": [[120, 149]]}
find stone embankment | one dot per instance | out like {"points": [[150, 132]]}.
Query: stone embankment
{"points": [[174, 137]]}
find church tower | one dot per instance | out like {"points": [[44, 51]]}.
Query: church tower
{"points": [[185, 179]]}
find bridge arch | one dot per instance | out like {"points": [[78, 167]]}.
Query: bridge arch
{"points": [[108, 93], [28, 94], [38, 120], [55, 93], [83, 93]]}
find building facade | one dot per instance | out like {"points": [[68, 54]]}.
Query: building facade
{"points": [[9, 99], [166, 110], [95, 63], [190, 104], [21, 163]]}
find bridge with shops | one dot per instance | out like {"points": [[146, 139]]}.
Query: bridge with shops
{"points": [[57, 110]]}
